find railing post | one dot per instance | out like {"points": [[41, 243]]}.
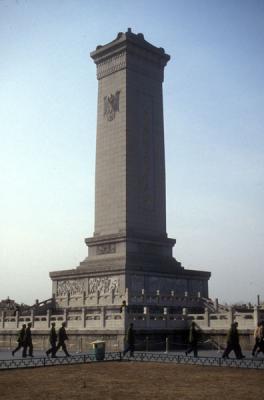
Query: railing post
{"points": [[147, 343], [32, 318], [167, 344], [65, 316], [17, 318], [165, 313], [48, 318], [3, 319], [102, 317], [146, 312], [206, 317], [231, 315], [256, 315], [83, 317]]}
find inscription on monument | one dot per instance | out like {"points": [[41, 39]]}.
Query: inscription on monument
{"points": [[111, 105], [73, 287], [103, 285], [107, 248]]}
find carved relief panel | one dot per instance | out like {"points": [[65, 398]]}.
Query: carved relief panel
{"points": [[104, 285], [73, 287], [107, 248]]}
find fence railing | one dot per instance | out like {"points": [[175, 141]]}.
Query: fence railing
{"points": [[138, 357]]}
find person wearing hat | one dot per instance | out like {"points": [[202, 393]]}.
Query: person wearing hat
{"points": [[62, 338], [52, 340]]}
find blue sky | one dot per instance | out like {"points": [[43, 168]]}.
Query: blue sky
{"points": [[213, 112]]}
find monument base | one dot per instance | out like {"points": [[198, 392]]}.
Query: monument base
{"points": [[120, 268]]}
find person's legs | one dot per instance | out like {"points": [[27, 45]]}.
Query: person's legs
{"points": [[57, 348], [255, 346], [53, 349], [30, 353], [228, 349], [132, 349], [24, 354], [17, 348], [238, 352], [64, 348]]}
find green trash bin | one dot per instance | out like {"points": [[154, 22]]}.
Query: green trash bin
{"points": [[99, 349]]}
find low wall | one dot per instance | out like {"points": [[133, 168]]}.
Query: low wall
{"points": [[78, 341]]}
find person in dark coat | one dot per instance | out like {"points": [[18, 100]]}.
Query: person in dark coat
{"points": [[20, 339], [193, 340], [28, 342], [233, 342], [62, 338], [52, 340], [130, 341]]}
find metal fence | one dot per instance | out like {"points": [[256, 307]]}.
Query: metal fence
{"points": [[250, 363]]}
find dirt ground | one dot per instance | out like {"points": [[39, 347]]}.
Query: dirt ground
{"points": [[131, 380]]}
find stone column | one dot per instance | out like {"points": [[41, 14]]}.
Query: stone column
{"points": [[231, 315], [256, 315], [206, 317], [146, 312], [48, 318], [3, 319], [102, 317], [65, 316], [17, 319], [83, 317], [32, 318]]}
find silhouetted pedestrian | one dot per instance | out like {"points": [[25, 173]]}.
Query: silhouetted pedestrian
{"points": [[52, 340], [20, 339], [130, 341], [193, 340], [233, 342], [257, 339], [28, 342], [261, 339], [62, 338]]}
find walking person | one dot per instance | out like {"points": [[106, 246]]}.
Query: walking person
{"points": [[130, 341], [257, 339], [62, 338], [28, 342], [193, 340], [52, 340], [20, 339], [233, 342], [261, 339]]}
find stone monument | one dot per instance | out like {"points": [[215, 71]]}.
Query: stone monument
{"points": [[129, 254]]}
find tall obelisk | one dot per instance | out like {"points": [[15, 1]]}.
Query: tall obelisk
{"points": [[130, 199], [130, 248]]}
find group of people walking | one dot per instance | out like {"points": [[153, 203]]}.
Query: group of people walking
{"points": [[232, 341], [57, 340], [24, 341]]}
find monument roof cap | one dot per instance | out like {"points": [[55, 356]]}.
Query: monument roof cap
{"points": [[122, 41]]}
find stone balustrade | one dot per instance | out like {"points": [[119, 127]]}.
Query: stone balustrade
{"points": [[110, 318]]}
